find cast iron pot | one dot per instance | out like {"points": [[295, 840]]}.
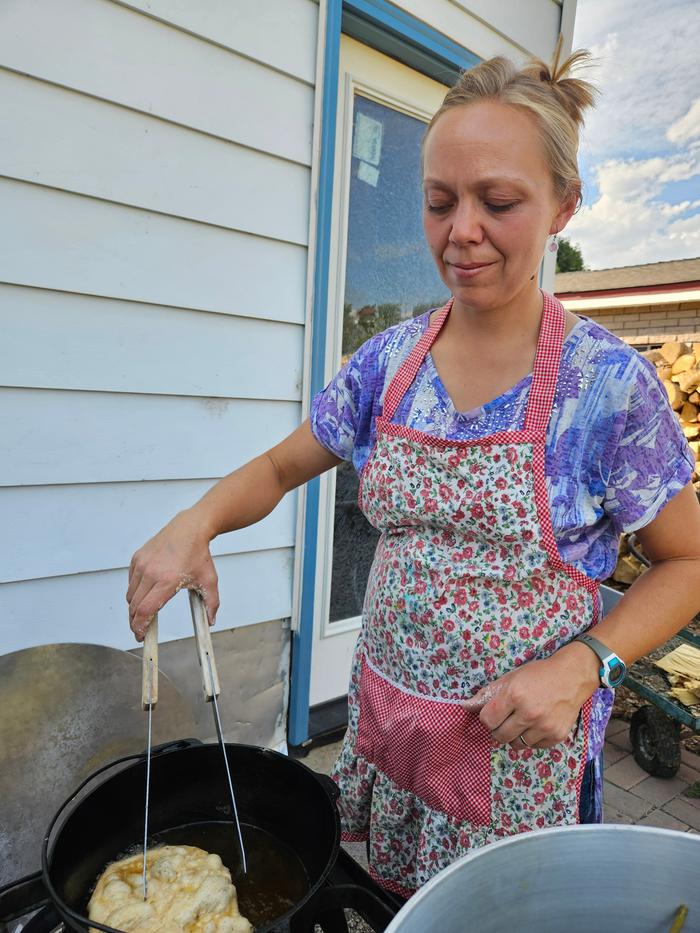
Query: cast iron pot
{"points": [[608, 879], [288, 814]]}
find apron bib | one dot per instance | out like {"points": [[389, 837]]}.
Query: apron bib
{"points": [[466, 585]]}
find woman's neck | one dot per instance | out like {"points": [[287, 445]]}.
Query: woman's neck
{"points": [[515, 323]]}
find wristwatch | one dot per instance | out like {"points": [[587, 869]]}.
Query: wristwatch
{"points": [[612, 668]]}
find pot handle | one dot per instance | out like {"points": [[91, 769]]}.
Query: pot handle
{"points": [[19, 897], [333, 899]]}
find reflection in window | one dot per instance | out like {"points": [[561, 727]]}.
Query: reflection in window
{"points": [[389, 277], [390, 274]]}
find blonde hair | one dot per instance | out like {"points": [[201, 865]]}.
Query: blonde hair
{"points": [[555, 100]]}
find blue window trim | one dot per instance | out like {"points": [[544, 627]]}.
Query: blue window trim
{"points": [[383, 26]]}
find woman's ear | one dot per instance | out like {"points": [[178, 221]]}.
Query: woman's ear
{"points": [[565, 213]]}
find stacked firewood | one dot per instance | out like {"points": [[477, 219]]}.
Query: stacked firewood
{"points": [[678, 367]]}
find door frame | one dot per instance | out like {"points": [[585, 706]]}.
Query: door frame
{"points": [[384, 27]]}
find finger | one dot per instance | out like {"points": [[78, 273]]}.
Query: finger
{"points": [[509, 731], [135, 577], [498, 708], [147, 601], [485, 695], [212, 604], [525, 740], [209, 591]]}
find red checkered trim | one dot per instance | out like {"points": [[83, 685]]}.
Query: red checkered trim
{"points": [[434, 748], [441, 443], [546, 368], [403, 379], [545, 521], [354, 837], [390, 885]]}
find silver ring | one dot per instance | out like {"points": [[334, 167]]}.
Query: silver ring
{"points": [[526, 744]]}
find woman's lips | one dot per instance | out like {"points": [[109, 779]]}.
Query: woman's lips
{"points": [[468, 270]]}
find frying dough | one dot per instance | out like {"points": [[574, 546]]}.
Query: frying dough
{"points": [[189, 891]]}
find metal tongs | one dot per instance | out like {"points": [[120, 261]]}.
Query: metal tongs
{"points": [[149, 698], [212, 689], [210, 682]]}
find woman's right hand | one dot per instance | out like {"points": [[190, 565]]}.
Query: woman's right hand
{"points": [[176, 558]]}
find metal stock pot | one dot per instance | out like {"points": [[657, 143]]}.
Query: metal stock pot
{"points": [[578, 879]]}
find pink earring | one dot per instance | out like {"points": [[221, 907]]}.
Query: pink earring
{"points": [[554, 243]]}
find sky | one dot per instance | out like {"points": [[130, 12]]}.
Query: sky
{"points": [[640, 152]]}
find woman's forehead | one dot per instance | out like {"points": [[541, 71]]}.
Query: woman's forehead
{"points": [[492, 138]]}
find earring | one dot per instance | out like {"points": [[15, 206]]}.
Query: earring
{"points": [[554, 243]]}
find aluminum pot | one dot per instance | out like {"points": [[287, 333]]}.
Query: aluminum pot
{"points": [[626, 879]]}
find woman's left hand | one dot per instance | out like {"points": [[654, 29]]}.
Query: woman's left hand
{"points": [[537, 705]]}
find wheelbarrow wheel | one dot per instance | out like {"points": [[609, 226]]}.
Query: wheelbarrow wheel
{"points": [[656, 740]]}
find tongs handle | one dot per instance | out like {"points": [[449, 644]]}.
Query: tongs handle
{"points": [[149, 666], [205, 651]]}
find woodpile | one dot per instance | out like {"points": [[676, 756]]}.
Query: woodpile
{"points": [[628, 566], [682, 666], [678, 368]]}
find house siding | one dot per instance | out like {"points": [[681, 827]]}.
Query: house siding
{"points": [[155, 189]]}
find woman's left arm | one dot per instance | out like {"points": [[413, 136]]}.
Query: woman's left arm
{"points": [[541, 700]]}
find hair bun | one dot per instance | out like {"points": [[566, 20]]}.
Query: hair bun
{"points": [[574, 94]]}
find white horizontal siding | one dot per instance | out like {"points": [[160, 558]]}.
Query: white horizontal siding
{"points": [[532, 24], [282, 33], [60, 241], [91, 608], [154, 216], [70, 141], [67, 341], [106, 50], [515, 29], [89, 437], [57, 530]]}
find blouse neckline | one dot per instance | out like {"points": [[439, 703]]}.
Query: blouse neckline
{"points": [[479, 412]]}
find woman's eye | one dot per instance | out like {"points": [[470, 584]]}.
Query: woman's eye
{"points": [[500, 208], [438, 208]]}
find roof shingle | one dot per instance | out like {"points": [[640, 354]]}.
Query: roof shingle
{"points": [[653, 273]]}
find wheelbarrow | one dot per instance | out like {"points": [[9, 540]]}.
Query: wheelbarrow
{"points": [[655, 728]]}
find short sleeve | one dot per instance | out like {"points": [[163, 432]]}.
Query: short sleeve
{"points": [[341, 414], [334, 411], [652, 462]]}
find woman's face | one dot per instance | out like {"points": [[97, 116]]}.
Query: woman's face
{"points": [[489, 203]]}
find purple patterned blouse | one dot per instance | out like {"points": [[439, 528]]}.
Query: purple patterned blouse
{"points": [[615, 452]]}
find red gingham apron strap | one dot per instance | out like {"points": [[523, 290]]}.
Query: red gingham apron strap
{"points": [[546, 368], [406, 373]]}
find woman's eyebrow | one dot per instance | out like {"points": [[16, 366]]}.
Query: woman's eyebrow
{"points": [[435, 183], [492, 181]]}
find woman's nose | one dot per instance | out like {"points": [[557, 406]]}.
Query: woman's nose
{"points": [[466, 225]]}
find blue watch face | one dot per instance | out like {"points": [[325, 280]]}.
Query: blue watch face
{"points": [[617, 673]]}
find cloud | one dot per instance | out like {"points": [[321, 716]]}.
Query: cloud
{"points": [[630, 222], [640, 151], [647, 69], [687, 127]]}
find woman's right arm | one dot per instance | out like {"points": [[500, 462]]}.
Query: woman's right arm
{"points": [[178, 556]]}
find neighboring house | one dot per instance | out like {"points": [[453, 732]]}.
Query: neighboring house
{"points": [[191, 192], [646, 305]]}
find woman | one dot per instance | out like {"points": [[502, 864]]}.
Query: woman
{"points": [[504, 444]]}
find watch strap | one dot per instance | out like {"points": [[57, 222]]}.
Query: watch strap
{"points": [[608, 660], [600, 649]]}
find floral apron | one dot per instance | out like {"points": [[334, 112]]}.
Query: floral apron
{"points": [[466, 585]]}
